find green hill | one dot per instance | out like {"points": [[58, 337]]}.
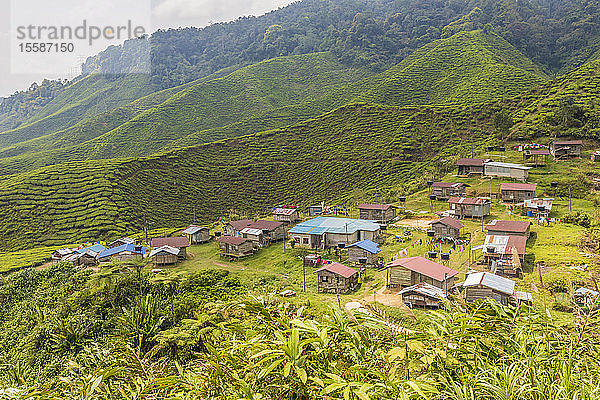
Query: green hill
{"points": [[358, 146], [467, 67], [285, 91]]}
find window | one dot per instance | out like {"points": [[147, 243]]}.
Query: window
{"points": [[305, 240], [324, 279]]}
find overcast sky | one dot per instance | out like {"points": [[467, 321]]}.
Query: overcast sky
{"points": [[160, 14]]}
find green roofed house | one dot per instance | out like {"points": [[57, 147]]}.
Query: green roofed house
{"points": [[323, 232]]}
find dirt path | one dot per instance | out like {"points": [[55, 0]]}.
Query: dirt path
{"points": [[422, 223]]}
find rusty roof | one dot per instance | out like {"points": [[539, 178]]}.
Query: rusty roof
{"points": [[383, 207], [234, 240], [539, 152], [449, 221], [241, 224], [524, 187], [472, 162], [338, 269], [449, 184], [178, 242], [265, 225], [425, 267], [284, 211], [504, 244], [508, 226], [568, 142]]}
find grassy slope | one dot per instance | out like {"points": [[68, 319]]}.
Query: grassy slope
{"points": [[358, 146], [467, 67], [84, 98], [288, 90]]}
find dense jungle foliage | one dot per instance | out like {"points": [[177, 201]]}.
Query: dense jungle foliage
{"points": [[68, 334]]}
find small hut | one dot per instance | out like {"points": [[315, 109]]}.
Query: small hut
{"points": [[507, 170], [236, 247], [60, 254], [286, 215], [363, 253], [446, 227], [509, 228], [536, 157], [485, 285], [517, 192], [179, 242], [254, 235], [405, 272], [197, 234], [561, 149], [471, 166], [468, 207], [381, 213], [445, 190], [422, 295], [336, 277], [165, 255], [121, 242]]}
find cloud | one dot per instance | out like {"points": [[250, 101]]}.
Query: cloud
{"points": [[172, 13]]}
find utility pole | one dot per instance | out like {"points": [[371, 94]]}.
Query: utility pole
{"points": [[304, 274], [337, 291], [570, 198]]}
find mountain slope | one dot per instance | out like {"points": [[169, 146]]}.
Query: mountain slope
{"points": [[467, 67]]}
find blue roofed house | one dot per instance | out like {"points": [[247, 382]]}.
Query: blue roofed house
{"points": [[323, 232], [121, 253], [363, 253]]}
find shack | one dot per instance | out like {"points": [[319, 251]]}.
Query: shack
{"points": [[122, 253], [468, 207], [380, 213], [88, 258], [536, 157], [405, 272], [446, 227], [236, 247], [197, 234], [233, 228], [586, 297], [254, 235], [538, 207], [501, 248], [121, 242], [60, 254], [363, 253], [324, 232], [336, 278], [507, 170], [165, 255], [485, 285], [509, 228], [422, 295], [286, 215], [517, 192], [273, 231], [471, 166], [561, 149], [316, 210], [179, 242], [445, 190]]}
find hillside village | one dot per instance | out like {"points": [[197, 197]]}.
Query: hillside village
{"points": [[489, 229]]}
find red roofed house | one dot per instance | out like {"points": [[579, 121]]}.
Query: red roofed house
{"points": [[181, 243], [286, 215], [566, 148], [468, 166], [468, 207], [233, 228], [381, 213], [336, 277], [237, 247], [405, 272], [517, 192], [446, 227], [519, 228], [536, 156], [445, 190]]}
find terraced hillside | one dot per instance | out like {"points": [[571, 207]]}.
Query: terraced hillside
{"points": [[358, 146], [84, 98], [467, 67], [257, 90], [285, 91]]}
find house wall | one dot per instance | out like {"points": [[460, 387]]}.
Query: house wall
{"points": [[467, 170], [356, 253], [442, 230], [378, 215], [474, 293], [242, 250], [402, 277], [413, 299], [277, 234], [287, 218], [308, 241], [201, 237], [330, 282], [165, 259], [517, 196]]}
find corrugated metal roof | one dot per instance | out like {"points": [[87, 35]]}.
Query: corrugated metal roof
{"points": [[122, 248], [525, 187], [504, 244], [535, 203], [374, 207], [523, 296], [284, 211], [471, 162], [321, 225], [489, 280], [266, 225], [467, 200], [506, 165], [425, 267], [97, 248], [367, 245], [252, 231], [338, 269], [241, 224], [193, 229], [449, 221], [124, 240], [178, 242], [166, 249], [568, 142], [508, 226], [449, 185], [425, 289]]}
